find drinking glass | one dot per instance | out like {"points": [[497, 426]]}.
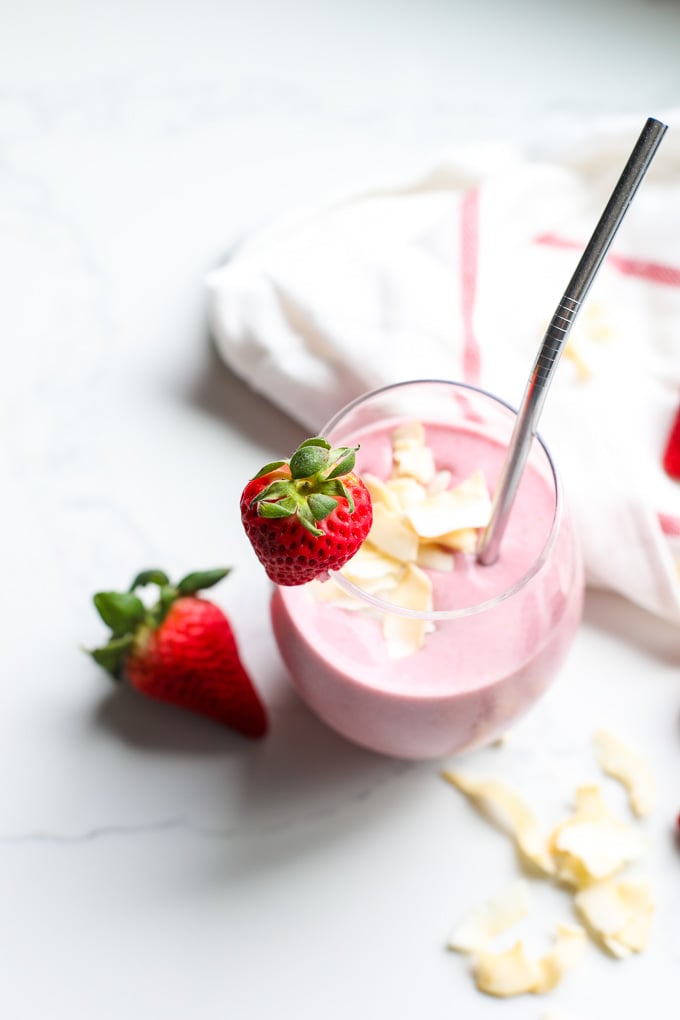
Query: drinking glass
{"points": [[494, 641]]}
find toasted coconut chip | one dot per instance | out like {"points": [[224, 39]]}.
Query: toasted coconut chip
{"points": [[409, 432], [569, 946], [381, 586], [514, 973], [571, 871], [593, 844], [404, 635], [415, 461], [440, 482], [369, 562], [501, 802], [380, 492], [466, 506], [326, 591], [507, 973], [382, 566], [406, 491], [463, 540], [392, 536], [619, 913], [332, 594], [432, 557], [493, 917], [621, 762]]}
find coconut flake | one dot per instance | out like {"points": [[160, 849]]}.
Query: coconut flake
{"points": [[415, 461], [463, 540], [566, 953], [380, 492], [409, 432], [593, 844], [495, 798], [406, 491], [621, 762], [392, 536], [512, 972], [369, 563], [440, 482], [498, 914], [619, 913], [433, 557], [507, 973], [466, 506], [405, 635]]}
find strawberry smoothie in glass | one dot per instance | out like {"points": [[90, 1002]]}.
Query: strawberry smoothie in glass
{"points": [[415, 649]]}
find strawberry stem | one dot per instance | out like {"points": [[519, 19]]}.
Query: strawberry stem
{"points": [[313, 487], [127, 616], [112, 656], [199, 580], [121, 611], [149, 577]]}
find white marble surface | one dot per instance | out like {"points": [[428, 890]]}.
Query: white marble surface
{"points": [[152, 864]]}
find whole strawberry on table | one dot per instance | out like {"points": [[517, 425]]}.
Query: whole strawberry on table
{"points": [[307, 515], [181, 650]]}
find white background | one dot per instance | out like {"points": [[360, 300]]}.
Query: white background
{"points": [[152, 864]]}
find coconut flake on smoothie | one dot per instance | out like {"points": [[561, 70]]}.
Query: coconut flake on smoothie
{"points": [[420, 523]]}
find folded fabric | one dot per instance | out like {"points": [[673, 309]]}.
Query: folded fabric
{"points": [[454, 273]]}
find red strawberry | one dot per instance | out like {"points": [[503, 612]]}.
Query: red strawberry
{"points": [[671, 457], [307, 515], [181, 650]]}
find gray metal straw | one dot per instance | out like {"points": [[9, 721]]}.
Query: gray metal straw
{"points": [[557, 333]]}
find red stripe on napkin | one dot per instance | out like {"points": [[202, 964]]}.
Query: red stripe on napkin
{"points": [[671, 457], [469, 251], [655, 272], [670, 525]]}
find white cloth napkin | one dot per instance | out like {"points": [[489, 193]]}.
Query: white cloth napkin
{"points": [[453, 273]]}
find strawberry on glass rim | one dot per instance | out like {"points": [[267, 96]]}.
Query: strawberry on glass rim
{"points": [[181, 650], [307, 515]]}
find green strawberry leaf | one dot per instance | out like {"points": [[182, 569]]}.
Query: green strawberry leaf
{"points": [[321, 506], [166, 596], [334, 487], [121, 611], [199, 580], [112, 656], [284, 508], [267, 468], [273, 491], [316, 441], [346, 462], [307, 461], [348, 496], [149, 577], [307, 520]]}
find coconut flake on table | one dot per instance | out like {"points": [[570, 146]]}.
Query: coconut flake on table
{"points": [[622, 763], [593, 844], [512, 972], [502, 802], [619, 913], [496, 915]]}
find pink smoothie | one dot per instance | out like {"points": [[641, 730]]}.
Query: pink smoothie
{"points": [[477, 671]]}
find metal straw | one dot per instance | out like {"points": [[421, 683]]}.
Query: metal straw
{"points": [[557, 332]]}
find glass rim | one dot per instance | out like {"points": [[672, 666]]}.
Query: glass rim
{"points": [[381, 605]]}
